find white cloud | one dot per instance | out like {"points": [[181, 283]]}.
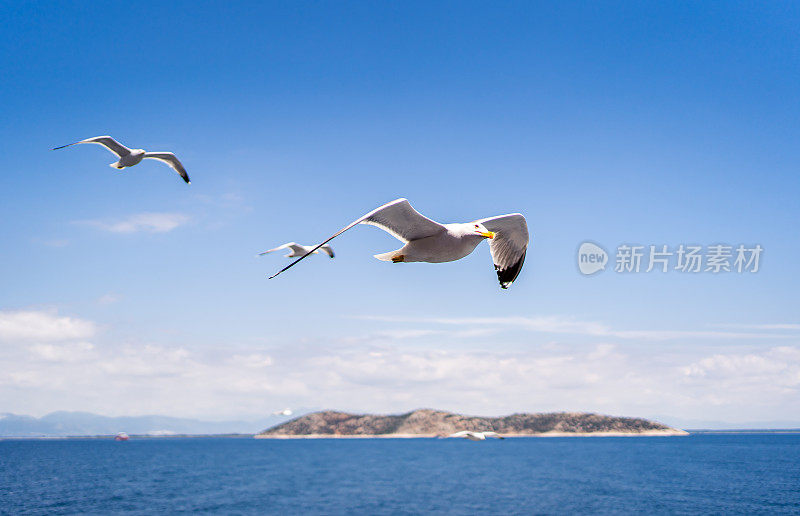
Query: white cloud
{"points": [[763, 382], [70, 352], [779, 364], [411, 334], [761, 326], [568, 325], [141, 222], [147, 361], [34, 325], [253, 360]]}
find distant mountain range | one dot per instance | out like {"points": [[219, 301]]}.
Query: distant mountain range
{"points": [[429, 423], [60, 424]]}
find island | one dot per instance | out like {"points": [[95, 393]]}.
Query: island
{"points": [[437, 423]]}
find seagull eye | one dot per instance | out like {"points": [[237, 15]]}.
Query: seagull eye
{"points": [[476, 225]]}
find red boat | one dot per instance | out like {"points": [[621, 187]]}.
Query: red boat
{"points": [[122, 436]]}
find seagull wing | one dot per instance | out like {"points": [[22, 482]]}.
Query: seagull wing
{"points": [[397, 218], [299, 249], [107, 142], [171, 160], [327, 250], [509, 245], [284, 246], [462, 433], [401, 221], [493, 434]]}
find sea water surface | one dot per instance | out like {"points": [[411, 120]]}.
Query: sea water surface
{"points": [[732, 474]]}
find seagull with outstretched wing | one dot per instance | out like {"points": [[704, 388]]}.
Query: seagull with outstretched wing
{"points": [[476, 436], [130, 157], [429, 241], [296, 249]]}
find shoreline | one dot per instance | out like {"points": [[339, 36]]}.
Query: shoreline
{"points": [[648, 433]]}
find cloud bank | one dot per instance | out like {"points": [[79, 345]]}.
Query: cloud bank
{"points": [[141, 222], [31, 325], [59, 362]]}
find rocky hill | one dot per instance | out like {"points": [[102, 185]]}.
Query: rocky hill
{"points": [[430, 423]]}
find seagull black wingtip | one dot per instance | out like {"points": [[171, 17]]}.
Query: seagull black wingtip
{"points": [[508, 275]]}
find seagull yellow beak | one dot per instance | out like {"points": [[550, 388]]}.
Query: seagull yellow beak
{"points": [[488, 234]]}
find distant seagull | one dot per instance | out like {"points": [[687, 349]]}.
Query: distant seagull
{"points": [[300, 250], [476, 436], [130, 157], [284, 412], [429, 241]]}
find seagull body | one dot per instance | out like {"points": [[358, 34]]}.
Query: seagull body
{"points": [[284, 412], [476, 436], [296, 249], [454, 243], [429, 241], [130, 157]]}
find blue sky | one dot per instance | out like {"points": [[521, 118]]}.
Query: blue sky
{"points": [[617, 123]]}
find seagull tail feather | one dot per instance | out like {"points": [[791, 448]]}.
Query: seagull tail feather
{"points": [[386, 257]]}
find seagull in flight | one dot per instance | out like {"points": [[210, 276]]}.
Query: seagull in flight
{"points": [[296, 249], [130, 157], [476, 436], [428, 241], [284, 412]]}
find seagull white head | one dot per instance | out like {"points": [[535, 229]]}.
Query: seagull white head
{"points": [[481, 230]]}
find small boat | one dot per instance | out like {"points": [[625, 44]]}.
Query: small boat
{"points": [[122, 436]]}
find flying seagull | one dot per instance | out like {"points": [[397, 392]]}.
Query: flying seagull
{"points": [[429, 241], [284, 412], [130, 157], [296, 249], [476, 436]]}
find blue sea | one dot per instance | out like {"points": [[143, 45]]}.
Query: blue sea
{"points": [[699, 474]]}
